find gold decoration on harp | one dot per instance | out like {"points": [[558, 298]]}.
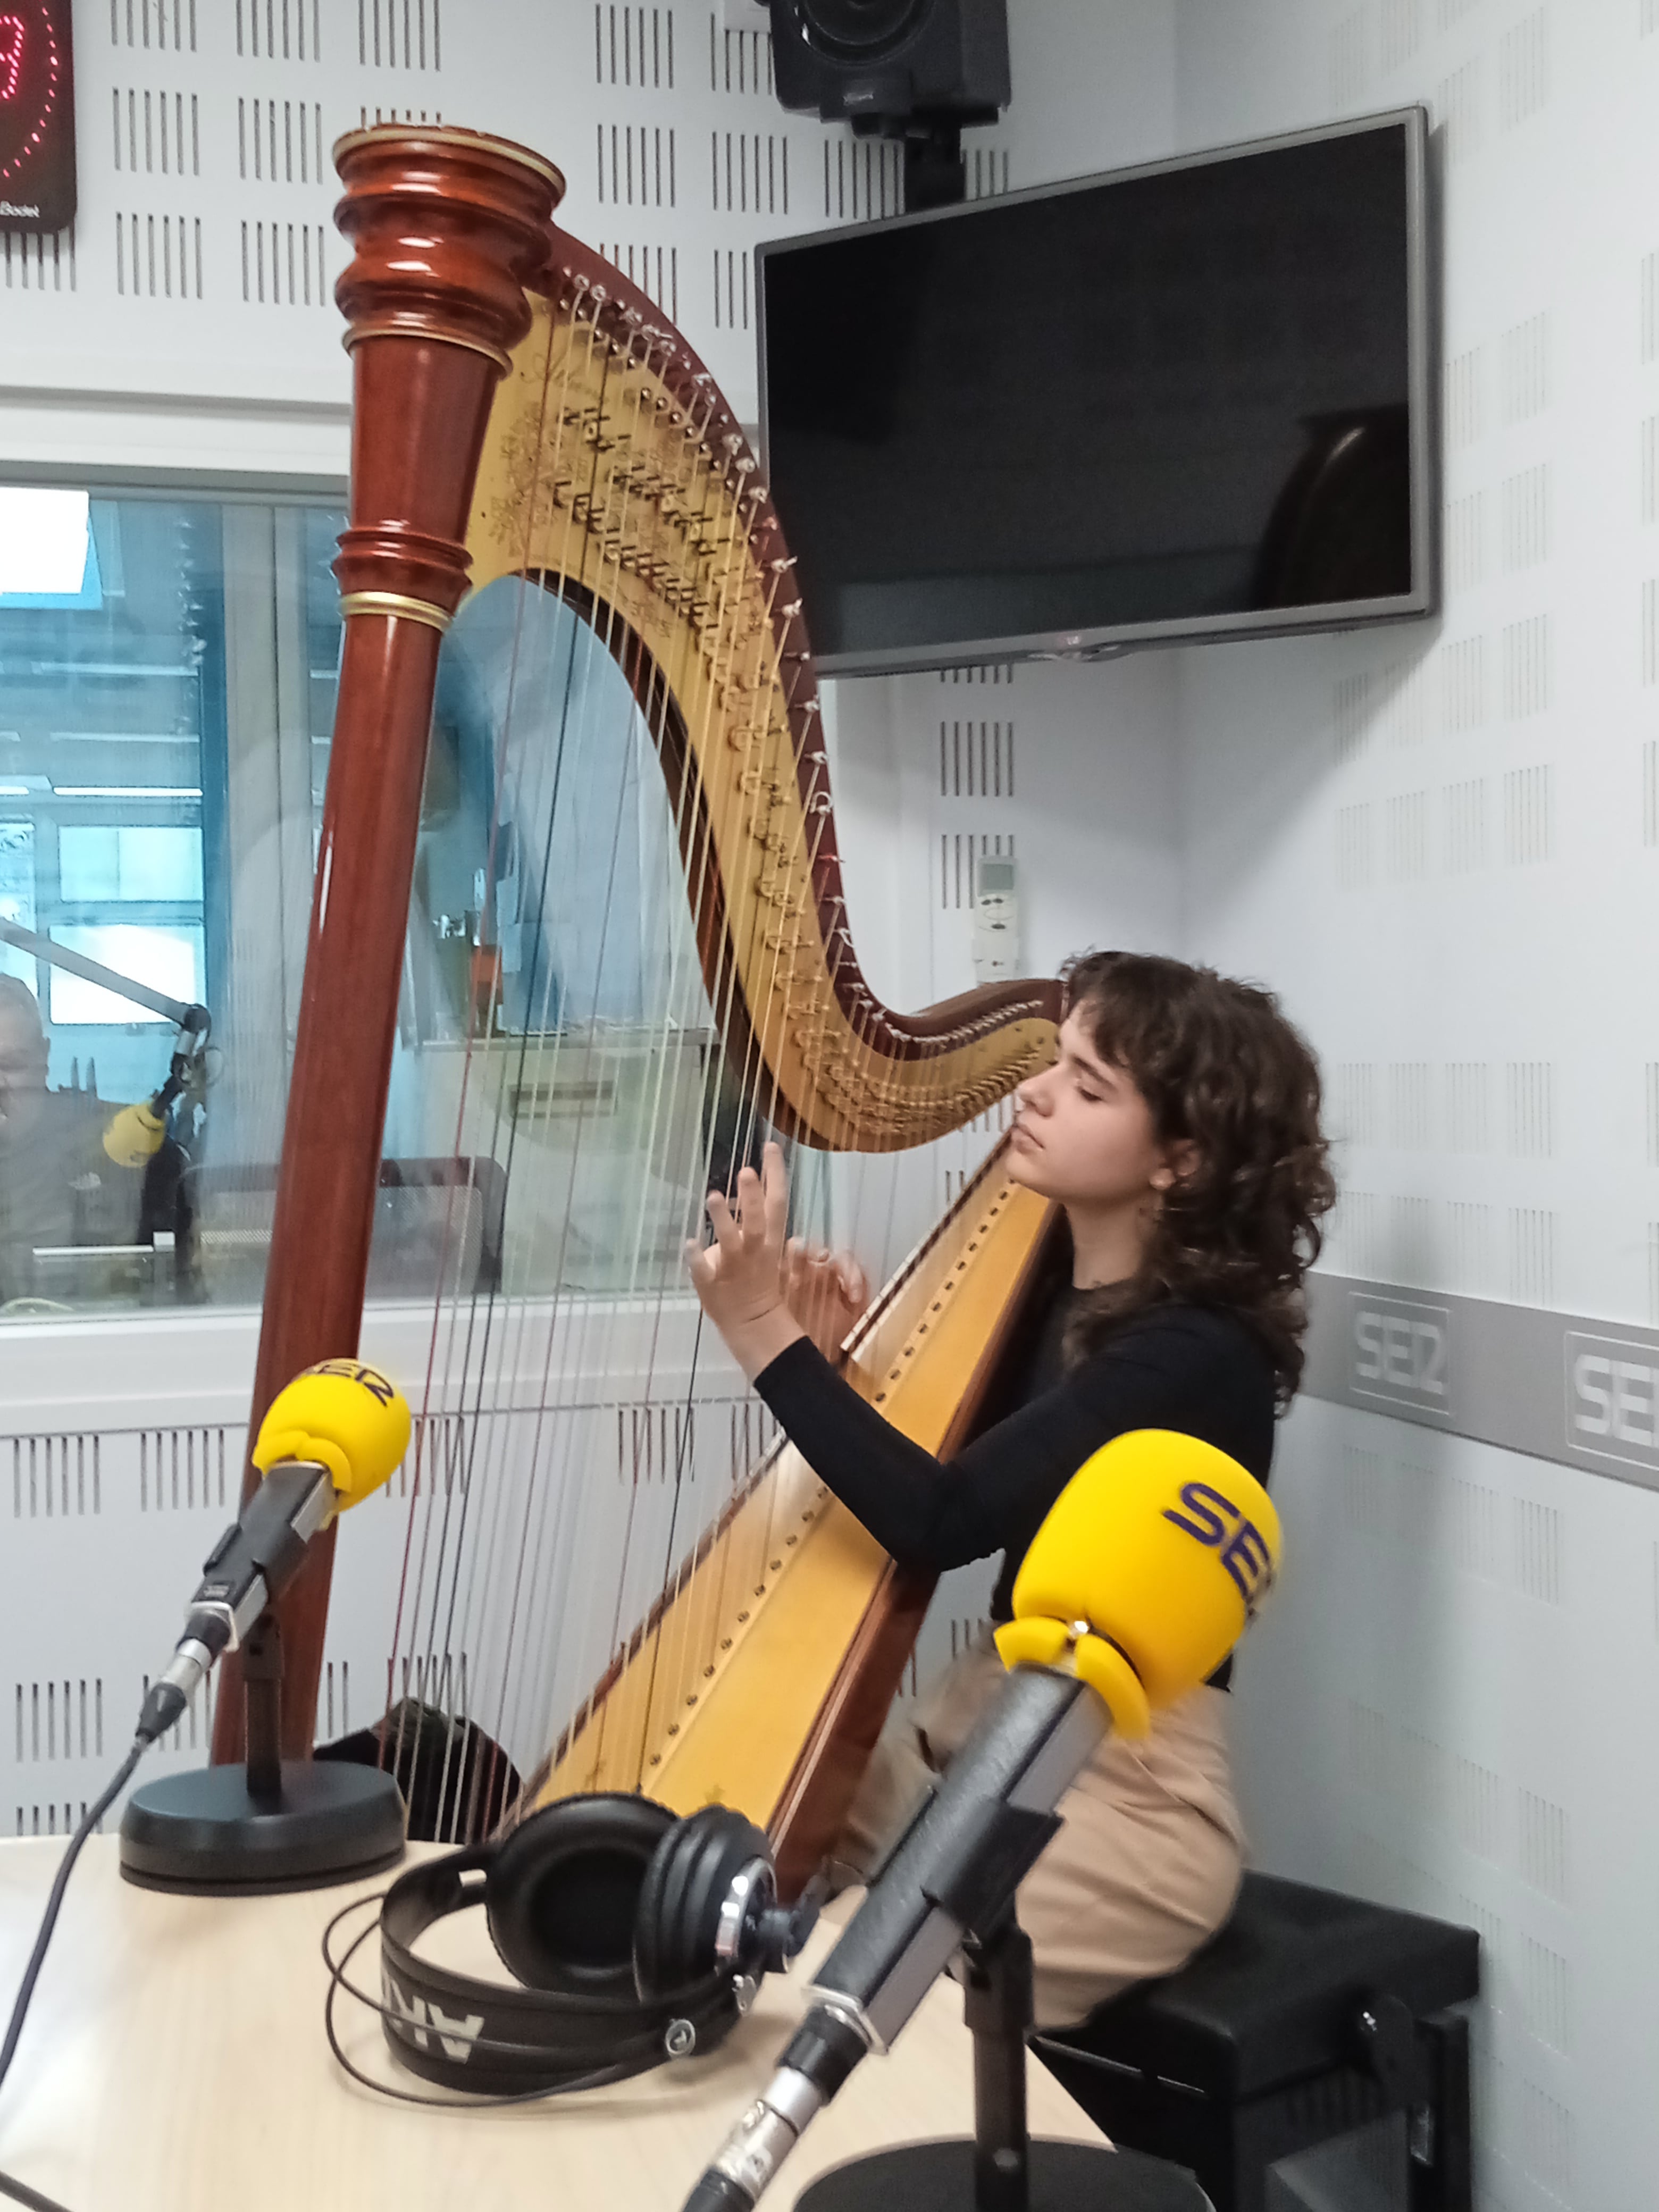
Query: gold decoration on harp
{"points": [[397, 605], [602, 475]]}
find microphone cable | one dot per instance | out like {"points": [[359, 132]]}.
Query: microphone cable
{"points": [[149, 1727]]}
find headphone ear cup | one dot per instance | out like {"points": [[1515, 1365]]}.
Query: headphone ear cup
{"points": [[689, 1879], [562, 1893]]}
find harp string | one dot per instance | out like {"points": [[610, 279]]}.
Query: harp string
{"points": [[699, 1637], [535, 1521], [579, 1317], [539, 1021], [672, 1670], [681, 1426], [580, 1350], [551, 1396], [699, 1624], [470, 1394], [449, 1386]]}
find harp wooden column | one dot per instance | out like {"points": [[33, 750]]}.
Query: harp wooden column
{"points": [[447, 229]]}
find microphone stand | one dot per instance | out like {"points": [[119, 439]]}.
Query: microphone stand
{"points": [[1000, 2169], [947, 1890], [261, 1675], [997, 2008], [269, 1823], [1144, 1575]]}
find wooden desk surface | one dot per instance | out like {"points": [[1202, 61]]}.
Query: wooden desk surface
{"points": [[175, 2061]]}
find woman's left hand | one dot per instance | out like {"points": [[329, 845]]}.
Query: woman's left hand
{"points": [[739, 1277], [827, 1292]]}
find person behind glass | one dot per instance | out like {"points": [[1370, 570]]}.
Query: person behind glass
{"points": [[58, 1184], [1178, 1129]]}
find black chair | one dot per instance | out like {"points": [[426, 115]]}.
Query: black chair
{"points": [[1310, 2016]]}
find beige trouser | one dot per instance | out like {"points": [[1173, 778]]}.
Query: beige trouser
{"points": [[1147, 1867]]}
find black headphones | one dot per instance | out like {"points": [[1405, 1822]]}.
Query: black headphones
{"points": [[638, 1937]]}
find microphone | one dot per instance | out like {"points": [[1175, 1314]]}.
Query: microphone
{"points": [[137, 1132], [333, 1435], [1146, 1572], [134, 1135]]}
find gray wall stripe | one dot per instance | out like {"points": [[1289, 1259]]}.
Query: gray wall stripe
{"points": [[1584, 1392]]}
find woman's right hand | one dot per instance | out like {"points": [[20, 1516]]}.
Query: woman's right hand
{"points": [[739, 1277]]}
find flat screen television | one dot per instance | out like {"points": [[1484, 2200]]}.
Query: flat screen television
{"points": [[1186, 400]]}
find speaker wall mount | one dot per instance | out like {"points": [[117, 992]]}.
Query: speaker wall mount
{"points": [[919, 71]]}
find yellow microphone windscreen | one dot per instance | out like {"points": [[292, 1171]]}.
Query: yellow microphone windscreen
{"points": [[1165, 1547], [134, 1136], [345, 1417]]}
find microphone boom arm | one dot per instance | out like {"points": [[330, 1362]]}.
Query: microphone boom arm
{"points": [[191, 1019]]}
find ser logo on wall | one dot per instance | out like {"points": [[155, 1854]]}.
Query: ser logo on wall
{"points": [[1400, 1353], [1612, 1399]]}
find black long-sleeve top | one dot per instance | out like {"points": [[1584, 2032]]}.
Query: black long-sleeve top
{"points": [[1192, 1369]]}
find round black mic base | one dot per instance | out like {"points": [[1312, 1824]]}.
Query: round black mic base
{"points": [[203, 1834], [939, 2176]]}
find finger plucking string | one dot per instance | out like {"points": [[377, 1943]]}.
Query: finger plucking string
{"points": [[727, 1235], [774, 1186]]}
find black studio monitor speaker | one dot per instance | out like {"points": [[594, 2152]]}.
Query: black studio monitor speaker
{"points": [[913, 69]]}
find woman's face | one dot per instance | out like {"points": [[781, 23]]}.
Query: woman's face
{"points": [[1083, 1134]]}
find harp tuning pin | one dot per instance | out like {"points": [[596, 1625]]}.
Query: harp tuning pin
{"points": [[786, 560]]}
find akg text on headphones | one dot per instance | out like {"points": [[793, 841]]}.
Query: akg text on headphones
{"points": [[636, 1936]]}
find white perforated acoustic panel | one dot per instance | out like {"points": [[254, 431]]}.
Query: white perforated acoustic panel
{"points": [[186, 322], [123, 1464], [1439, 844], [198, 274], [97, 1523]]}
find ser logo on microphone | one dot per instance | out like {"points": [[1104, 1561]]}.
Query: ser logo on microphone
{"points": [[1220, 1525], [377, 1385]]}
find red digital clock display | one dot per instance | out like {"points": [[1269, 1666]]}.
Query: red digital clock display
{"points": [[37, 116]]}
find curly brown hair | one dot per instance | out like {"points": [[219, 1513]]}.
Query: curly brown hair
{"points": [[1220, 1066]]}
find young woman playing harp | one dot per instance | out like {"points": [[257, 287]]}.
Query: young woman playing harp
{"points": [[1178, 1129]]}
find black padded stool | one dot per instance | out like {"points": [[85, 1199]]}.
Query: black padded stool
{"points": [[1309, 2016]]}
